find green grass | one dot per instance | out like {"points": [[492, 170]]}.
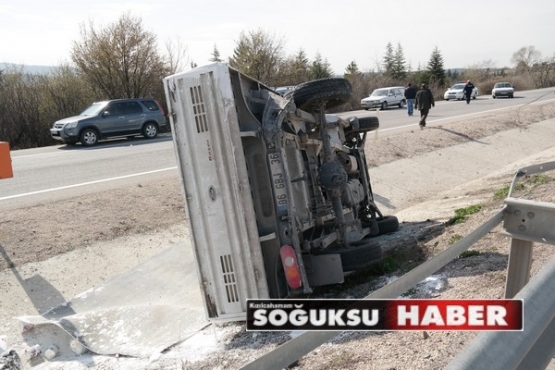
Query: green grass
{"points": [[539, 179], [504, 191], [409, 293], [534, 181], [455, 238], [470, 253], [388, 265], [461, 214]]}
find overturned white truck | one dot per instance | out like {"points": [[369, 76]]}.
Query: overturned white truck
{"points": [[277, 192]]}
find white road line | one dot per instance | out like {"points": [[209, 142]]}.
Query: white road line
{"points": [[86, 183]]}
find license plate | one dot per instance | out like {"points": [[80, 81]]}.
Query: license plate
{"points": [[278, 181]]}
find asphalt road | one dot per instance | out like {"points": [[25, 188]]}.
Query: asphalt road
{"points": [[59, 172], [395, 119]]}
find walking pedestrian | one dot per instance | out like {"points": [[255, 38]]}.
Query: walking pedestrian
{"points": [[468, 90], [424, 101], [410, 94]]}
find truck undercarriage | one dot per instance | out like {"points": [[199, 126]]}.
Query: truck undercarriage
{"points": [[283, 184]]}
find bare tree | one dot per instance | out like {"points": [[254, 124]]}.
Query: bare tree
{"points": [[19, 103], [525, 58], [543, 72], [481, 71], [528, 59], [176, 58], [65, 92], [120, 60]]}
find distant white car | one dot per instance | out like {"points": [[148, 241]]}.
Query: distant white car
{"points": [[502, 89], [384, 98], [456, 92]]}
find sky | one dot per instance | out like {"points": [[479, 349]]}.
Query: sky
{"points": [[466, 32]]}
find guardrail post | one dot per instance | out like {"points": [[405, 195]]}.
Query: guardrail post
{"points": [[531, 348], [520, 263], [6, 171], [525, 221]]}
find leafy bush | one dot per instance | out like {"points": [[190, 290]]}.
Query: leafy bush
{"points": [[462, 214]]}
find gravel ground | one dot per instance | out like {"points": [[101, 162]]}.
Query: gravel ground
{"points": [[154, 211]]}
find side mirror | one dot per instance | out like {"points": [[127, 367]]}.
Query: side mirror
{"points": [[106, 113]]}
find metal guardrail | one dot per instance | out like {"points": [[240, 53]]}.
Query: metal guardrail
{"points": [[525, 222], [536, 344], [532, 348]]}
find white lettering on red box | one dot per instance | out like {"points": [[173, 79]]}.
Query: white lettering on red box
{"points": [[455, 315]]}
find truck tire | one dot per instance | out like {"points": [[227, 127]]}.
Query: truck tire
{"points": [[388, 224], [367, 124], [365, 254], [358, 256], [332, 91]]}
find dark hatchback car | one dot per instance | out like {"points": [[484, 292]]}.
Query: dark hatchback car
{"points": [[111, 118]]}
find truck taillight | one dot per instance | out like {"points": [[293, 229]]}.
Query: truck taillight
{"points": [[290, 266]]}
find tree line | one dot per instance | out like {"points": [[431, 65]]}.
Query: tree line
{"points": [[122, 60]]}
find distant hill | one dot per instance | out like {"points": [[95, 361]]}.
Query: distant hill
{"points": [[28, 68]]}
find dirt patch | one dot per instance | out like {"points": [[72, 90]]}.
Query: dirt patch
{"points": [[382, 150], [37, 233]]}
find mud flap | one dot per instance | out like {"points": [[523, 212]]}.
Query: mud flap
{"points": [[324, 269]]}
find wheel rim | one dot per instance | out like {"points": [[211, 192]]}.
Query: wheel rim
{"points": [[384, 105], [89, 137], [150, 131]]}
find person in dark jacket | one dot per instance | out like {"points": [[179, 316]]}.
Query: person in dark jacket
{"points": [[410, 94], [468, 90], [424, 101]]}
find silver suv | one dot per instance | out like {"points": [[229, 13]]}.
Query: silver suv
{"points": [[104, 119], [384, 98]]}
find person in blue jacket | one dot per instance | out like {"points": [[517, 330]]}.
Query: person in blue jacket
{"points": [[410, 94]]}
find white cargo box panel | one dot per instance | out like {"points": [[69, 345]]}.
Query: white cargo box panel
{"points": [[217, 195]]}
